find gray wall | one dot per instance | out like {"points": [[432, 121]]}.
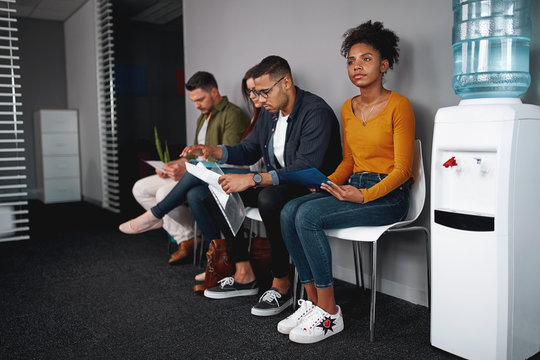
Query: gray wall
{"points": [[43, 77], [82, 74], [533, 94], [227, 37]]}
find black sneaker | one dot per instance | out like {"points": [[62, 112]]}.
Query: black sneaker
{"points": [[228, 288], [272, 302]]}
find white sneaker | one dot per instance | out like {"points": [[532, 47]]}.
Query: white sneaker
{"points": [[317, 326], [286, 325]]}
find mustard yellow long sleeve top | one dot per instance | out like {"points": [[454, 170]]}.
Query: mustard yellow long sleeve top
{"points": [[385, 146]]}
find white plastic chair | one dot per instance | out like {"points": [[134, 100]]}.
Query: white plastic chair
{"points": [[372, 234], [253, 215]]}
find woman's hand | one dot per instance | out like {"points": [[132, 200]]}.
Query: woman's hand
{"points": [[344, 192]]}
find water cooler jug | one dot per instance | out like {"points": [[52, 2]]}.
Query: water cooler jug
{"points": [[485, 229], [490, 39]]}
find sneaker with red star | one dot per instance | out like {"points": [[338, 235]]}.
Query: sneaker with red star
{"points": [[317, 326]]}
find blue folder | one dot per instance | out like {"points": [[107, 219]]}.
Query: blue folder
{"points": [[310, 178]]}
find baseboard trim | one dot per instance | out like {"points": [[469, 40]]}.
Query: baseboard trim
{"points": [[388, 287]]}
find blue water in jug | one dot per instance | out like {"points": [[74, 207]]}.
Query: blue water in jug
{"points": [[491, 48]]}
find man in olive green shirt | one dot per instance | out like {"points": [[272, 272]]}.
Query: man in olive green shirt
{"points": [[220, 122]]}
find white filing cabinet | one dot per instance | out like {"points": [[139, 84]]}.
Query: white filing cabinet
{"points": [[57, 155]]}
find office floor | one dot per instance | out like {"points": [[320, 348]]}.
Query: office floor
{"points": [[81, 289]]}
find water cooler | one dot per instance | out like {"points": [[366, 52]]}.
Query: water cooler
{"points": [[485, 191], [485, 226]]}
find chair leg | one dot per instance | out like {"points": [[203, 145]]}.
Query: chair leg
{"points": [[201, 252], [373, 291], [361, 267], [358, 259], [295, 288], [355, 255], [195, 243], [169, 247], [251, 221]]}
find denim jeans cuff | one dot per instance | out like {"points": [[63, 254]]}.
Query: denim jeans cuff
{"points": [[307, 282], [324, 286], [156, 213]]}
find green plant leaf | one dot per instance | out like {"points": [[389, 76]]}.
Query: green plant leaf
{"points": [[166, 155], [158, 145]]}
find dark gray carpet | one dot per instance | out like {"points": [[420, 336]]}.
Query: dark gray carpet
{"points": [[82, 290]]}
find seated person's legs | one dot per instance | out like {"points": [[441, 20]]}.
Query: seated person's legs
{"points": [[179, 225], [152, 218], [243, 283], [303, 221], [196, 198], [176, 196], [270, 201], [178, 222], [310, 250], [291, 238], [144, 190]]}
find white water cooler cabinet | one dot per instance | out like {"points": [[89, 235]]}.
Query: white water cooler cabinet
{"points": [[485, 226]]}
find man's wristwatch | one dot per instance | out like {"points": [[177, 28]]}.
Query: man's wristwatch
{"points": [[257, 179]]}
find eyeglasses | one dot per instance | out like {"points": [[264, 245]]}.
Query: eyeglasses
{"points": [[264, 93]]}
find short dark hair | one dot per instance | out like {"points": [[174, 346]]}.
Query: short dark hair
{"points": [[201, 80], [273, 65], [383, 40]]}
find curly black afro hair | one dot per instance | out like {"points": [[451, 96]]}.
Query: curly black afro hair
{"points": [[383, 40]]}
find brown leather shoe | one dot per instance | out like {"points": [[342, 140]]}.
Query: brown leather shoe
{"points": [[184, 250]]}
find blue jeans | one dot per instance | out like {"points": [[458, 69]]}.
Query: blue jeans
{"points": [[303, 221], [195, 191]]}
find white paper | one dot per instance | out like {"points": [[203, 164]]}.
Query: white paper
{"points": [[211, 178], [234, 212], [156, 164]]}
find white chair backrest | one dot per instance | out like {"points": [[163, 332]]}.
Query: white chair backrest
{"points": [[418, 189]]}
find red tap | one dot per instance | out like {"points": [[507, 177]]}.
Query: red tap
{"points": [[450, 162]]}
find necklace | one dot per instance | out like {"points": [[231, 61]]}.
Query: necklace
{"points": [[362, 113]]}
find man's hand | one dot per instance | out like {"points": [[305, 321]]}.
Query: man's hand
{"points": [[203, 150], [236, 182], [344, 193], [175, 169], [161, 174]]}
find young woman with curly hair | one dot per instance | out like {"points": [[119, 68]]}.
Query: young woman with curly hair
{"points": [[370, 187]]}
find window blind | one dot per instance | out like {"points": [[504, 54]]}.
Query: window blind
{"points": [[14, 222], [107, 104]]}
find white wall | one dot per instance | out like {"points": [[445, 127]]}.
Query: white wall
{"points": [[82, 90], [228, 37]]}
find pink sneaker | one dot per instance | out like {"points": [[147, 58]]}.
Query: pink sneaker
{"points": [[141, 223]]}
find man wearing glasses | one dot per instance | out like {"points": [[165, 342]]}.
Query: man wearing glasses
{"points": [[296, 130]]}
